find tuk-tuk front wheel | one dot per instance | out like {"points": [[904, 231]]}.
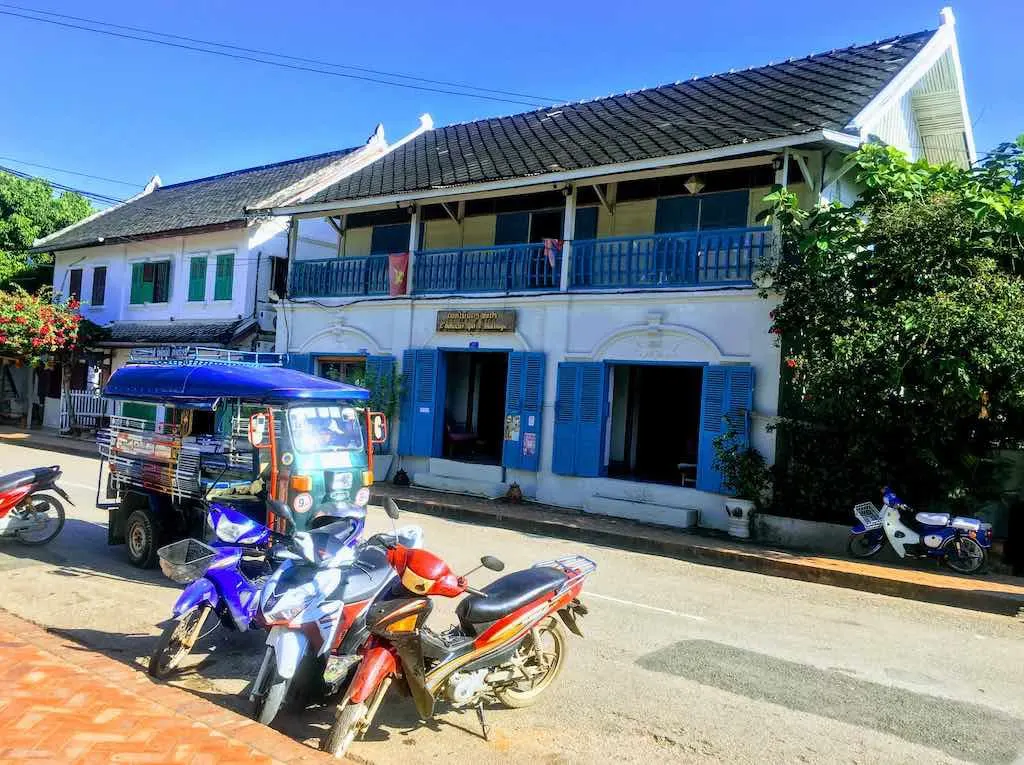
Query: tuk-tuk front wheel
{"points": [[142, 536]]}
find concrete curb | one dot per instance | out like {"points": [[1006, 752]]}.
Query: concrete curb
{"points": [[56, 445], [704, 551]]}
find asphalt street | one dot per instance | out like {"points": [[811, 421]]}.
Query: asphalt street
{"points": [[680, 663]]}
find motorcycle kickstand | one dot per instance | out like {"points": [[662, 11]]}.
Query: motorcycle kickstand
{"points": [[483, 722]]}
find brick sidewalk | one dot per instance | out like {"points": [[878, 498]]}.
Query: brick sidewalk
{"points": [[62, 703]]}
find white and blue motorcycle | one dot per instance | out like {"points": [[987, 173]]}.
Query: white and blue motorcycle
{"points": [[961, 543]]}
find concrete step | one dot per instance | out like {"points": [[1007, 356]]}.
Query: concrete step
{"points": [[475, 488], [645, 512], [468, 470]]}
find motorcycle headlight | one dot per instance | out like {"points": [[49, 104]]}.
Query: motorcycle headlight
{"points": [[279, 613]]}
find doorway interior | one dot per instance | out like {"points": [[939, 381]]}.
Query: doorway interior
{"points": [[474, 409], [655, 423]]}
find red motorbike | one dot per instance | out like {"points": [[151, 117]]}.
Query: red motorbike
{"points": [[508, 644], [26, 513]]}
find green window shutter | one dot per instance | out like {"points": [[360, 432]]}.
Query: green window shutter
{"points": [[197, 280], [136, 294], [222, 284]]}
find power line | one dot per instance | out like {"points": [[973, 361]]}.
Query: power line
{"points": [[269, 62], [60, 186], [300, 59], [71, 172]]}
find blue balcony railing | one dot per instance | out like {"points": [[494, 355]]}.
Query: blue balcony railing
{"points": [[504, 268], [339, 277], [691, 258]]}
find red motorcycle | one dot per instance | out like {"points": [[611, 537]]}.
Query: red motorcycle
{"points": [[26, 513], [508, 644]]}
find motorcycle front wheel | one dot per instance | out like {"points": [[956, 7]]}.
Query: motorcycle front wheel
{"points": [[863, 546], [541, 657], [347, 724], [964, 555], [177, 641], [270, 697]]}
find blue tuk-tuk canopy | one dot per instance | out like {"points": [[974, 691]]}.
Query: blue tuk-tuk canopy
{"points": [[198, 386]]}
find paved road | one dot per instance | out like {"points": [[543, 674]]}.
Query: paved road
{"points": [[681, 662]]}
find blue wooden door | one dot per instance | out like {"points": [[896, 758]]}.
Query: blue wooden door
{"points": [[581, 408], [422, 420], [726, 402], [524, 401]]}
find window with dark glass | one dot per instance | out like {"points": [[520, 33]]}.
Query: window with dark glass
{"points": [[99, 286], [75, 284]]}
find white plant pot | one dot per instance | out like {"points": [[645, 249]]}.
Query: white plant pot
{"points": [[739, 512]]}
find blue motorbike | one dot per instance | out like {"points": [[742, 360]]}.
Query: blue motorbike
{"points": [[226, 577], [959, 542]]}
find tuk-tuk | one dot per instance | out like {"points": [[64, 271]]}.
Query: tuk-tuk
{"points": [[194, 425]]}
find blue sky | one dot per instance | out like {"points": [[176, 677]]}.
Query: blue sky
{"points": [[126, 110]]}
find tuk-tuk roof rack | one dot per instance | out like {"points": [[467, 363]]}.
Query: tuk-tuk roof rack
{"points": [[179, 355]]}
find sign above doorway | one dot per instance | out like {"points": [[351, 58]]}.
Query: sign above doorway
{"points": [[476, 321]]}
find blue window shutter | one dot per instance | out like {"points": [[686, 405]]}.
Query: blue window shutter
{"points": [[382, 371], [301, 362], [428, 395], [593, 406], [511, 450], [533, 408], [405, 418], [524, 398], [726, 401], [563, 459]]}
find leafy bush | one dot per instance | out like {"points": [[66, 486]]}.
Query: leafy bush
{"points": [[902, 327], [745, 474]]}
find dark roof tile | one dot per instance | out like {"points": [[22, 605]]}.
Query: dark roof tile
{"points": [[823, 91]]}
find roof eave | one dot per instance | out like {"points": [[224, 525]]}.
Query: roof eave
{"points": [[835, 137], [165, 234]]}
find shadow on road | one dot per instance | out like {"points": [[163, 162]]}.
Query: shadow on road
{"points": [[968, 731], [81, 549]]}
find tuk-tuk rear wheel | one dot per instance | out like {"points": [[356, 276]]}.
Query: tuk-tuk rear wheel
{"points": [[142, 537]]}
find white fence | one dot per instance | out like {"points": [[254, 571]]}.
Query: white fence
{"points": [[89, 408]]}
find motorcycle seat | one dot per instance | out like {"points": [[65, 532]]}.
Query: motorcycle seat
{"points": [[966, 524], [25, 477], [509, 593], [932, 519]]}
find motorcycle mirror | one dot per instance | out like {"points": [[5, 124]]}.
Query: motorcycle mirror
{"points": [[281, 509], [391, 508], [492, 563]]}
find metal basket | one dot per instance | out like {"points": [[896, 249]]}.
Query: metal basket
{"points": [[869, 515], [576, 567], [185, 561]]}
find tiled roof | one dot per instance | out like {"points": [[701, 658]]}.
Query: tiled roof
{"points": [[219, 199], [178, 332], [823, 91]]}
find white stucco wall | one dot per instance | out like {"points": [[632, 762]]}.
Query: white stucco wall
{"points": [[714, 327], [262, 240]]}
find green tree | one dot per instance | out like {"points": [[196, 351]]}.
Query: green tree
{"points": [[902, 327], [29, 210]]}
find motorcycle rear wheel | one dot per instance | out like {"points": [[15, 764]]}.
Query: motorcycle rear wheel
{"points": [[347, 724], [554, 649], [177, 641], [969, 558], [45, 504], [860, 546]]}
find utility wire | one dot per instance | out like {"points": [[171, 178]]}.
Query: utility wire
{"points": [[90, 194], [269, 62], [71, 172], [545, 99]]}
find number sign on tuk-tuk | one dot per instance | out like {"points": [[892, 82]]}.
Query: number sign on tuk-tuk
{"points": [[236, 427]]}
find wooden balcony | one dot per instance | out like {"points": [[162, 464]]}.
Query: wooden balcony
{"points": [[715, 257]]}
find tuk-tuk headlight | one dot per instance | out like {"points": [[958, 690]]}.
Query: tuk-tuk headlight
{"points": [[362, 496]]}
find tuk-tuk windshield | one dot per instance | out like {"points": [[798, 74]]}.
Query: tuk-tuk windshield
{"points": [[325, 428]]}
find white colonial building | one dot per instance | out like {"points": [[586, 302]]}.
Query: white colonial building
{"points": [[184, 264], [569, 294]]}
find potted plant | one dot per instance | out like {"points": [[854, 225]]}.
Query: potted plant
{"points": [[745, 476]]}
